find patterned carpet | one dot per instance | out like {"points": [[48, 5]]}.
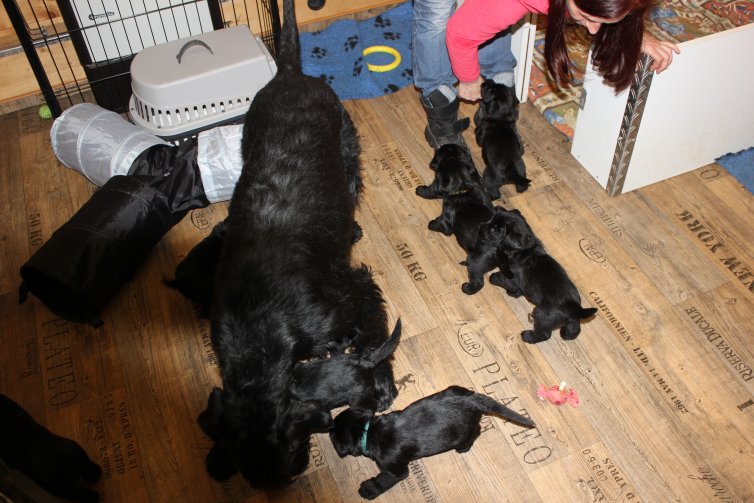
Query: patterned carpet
{"points": [[674, 20]]}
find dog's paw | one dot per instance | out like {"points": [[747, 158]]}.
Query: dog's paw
{"points": [[219, 464], [498, 279], [532, 337], [90, 471], [369, 489], [522, 187], [470, 289], [424, 191], [570, 331], [436, 225]]}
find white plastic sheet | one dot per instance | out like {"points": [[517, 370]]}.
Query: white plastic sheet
{"points": [[97, 142], [220, 161], [100, 144]]}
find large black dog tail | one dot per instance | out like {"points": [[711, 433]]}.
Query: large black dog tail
{"points": [[289, 50], [382, 353], [490, 406]]}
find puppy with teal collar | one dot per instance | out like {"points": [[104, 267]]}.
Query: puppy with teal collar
{"points": [[437, 423]]}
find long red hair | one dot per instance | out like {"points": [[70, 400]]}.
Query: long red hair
{"points": [[616, 48]]}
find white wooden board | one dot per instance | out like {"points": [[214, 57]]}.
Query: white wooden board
{"points": [[696, 111]]}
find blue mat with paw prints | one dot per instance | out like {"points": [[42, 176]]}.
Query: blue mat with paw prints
{"points": [[741, 166], [336, 54]]}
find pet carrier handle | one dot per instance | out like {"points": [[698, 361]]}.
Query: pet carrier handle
{"points": [[189, 44]]}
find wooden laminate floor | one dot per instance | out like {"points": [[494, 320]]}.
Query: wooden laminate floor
{"points": [[664, 370]]}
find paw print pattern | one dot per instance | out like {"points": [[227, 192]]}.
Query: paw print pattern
{"points": [[391, 88], [389, 35], [407, 74], [358, 66], [382, 22], [329, 79], [350, 43], [319, 52]]}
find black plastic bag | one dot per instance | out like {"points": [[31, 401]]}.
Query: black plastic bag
{"points": [[85, 261]]}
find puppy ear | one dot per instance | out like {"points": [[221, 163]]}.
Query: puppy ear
{"points": [[316, 417], [338, 444], [307, 418], [346, 434], [321, 421], [434, 162], [520, 240]]}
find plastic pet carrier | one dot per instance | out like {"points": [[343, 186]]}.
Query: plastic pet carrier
{"points": [[189, 85]]}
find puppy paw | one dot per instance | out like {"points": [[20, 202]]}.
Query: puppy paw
{"points": [[437, 226], [369, 489], [91, 472], [424, 191], [498, 279], [470, 289], [570, 331], [532, 337], [522, 187]]}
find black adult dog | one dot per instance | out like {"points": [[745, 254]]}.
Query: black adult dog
{"points": [[465, 206], [345, 379], [496, 134], [534, 274], [437, 423], [284, 288], [58, 464]]}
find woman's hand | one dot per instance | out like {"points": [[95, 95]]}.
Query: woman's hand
{"points": [[471, 91], [661, 52]]}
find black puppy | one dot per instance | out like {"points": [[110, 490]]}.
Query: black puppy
{"points": [[58, 464], [345, 379], [454, 172], [285, 290], [465, 206], [438, 423], [195, 274], [496, 134], [535, 275]]}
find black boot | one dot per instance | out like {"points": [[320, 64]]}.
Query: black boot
{"points": [[443, 124]]}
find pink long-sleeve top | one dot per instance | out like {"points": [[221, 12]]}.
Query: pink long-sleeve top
{"points": [[477, 21]]}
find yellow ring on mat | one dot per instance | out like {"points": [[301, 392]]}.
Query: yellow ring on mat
{"points": [[387, 50]]}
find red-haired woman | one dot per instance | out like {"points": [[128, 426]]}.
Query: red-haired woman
{"points": [[619, 40]]}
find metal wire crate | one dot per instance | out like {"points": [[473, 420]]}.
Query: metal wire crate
{"points": [[83, 51]]}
